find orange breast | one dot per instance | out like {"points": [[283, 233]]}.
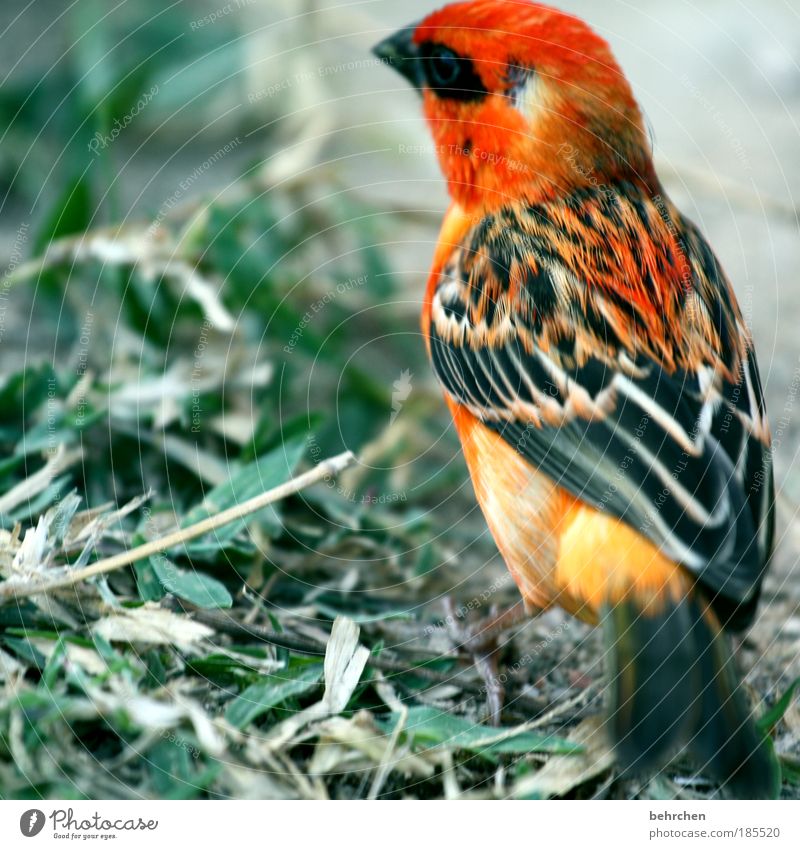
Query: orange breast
{"points": [[558, 549]]}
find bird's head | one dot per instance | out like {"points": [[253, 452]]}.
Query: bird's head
{"points": [[523, 101]]}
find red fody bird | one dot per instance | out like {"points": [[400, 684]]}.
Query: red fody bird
{"points": [[599, 373]]}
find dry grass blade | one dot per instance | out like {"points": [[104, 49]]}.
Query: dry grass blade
{"points": [[345, 659], [562, 773], [66, 577], [29, 488], [151, 625]]}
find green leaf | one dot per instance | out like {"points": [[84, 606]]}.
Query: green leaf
{"points": [[94, 54], [268, 435], [270, 691], [72, 213], [265, 473], [26, 651], [430, 726], [427, 559], [774, 779], [147, 583], [176, 770], [21, 394], [54, 665], [30, 509], [774, 715], [790, 770], [9, 464], [224, 671], [367, 616], [195, 587]]}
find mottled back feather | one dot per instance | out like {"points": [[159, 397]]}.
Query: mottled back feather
{"points": [[599, 336]]}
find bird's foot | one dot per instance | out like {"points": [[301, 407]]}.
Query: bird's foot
{"points": [[482, 641]]}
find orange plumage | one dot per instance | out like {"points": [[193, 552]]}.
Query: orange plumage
{"points": [[600, 375]]}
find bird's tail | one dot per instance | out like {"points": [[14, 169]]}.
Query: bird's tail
{"points": [[672, 682]]}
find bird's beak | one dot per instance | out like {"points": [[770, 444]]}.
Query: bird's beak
{"points": [[402, 54]]}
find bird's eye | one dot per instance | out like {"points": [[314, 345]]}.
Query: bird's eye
{"points": [[449, 74], [444, 66]]}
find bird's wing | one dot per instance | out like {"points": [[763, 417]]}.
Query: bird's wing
{"points": [[662, 432]]}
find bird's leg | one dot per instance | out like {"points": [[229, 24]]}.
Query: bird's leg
{"points": [[482, 642]]}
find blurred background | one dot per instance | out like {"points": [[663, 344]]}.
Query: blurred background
{"points": [[216, 223]]}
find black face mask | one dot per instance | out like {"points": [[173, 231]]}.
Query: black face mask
{"points": [[431, 65]]}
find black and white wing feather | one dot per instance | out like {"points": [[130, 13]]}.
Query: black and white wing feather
{"points": [[672, 439]]}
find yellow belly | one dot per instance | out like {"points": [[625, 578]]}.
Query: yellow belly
{"points": [[558, 549]]}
